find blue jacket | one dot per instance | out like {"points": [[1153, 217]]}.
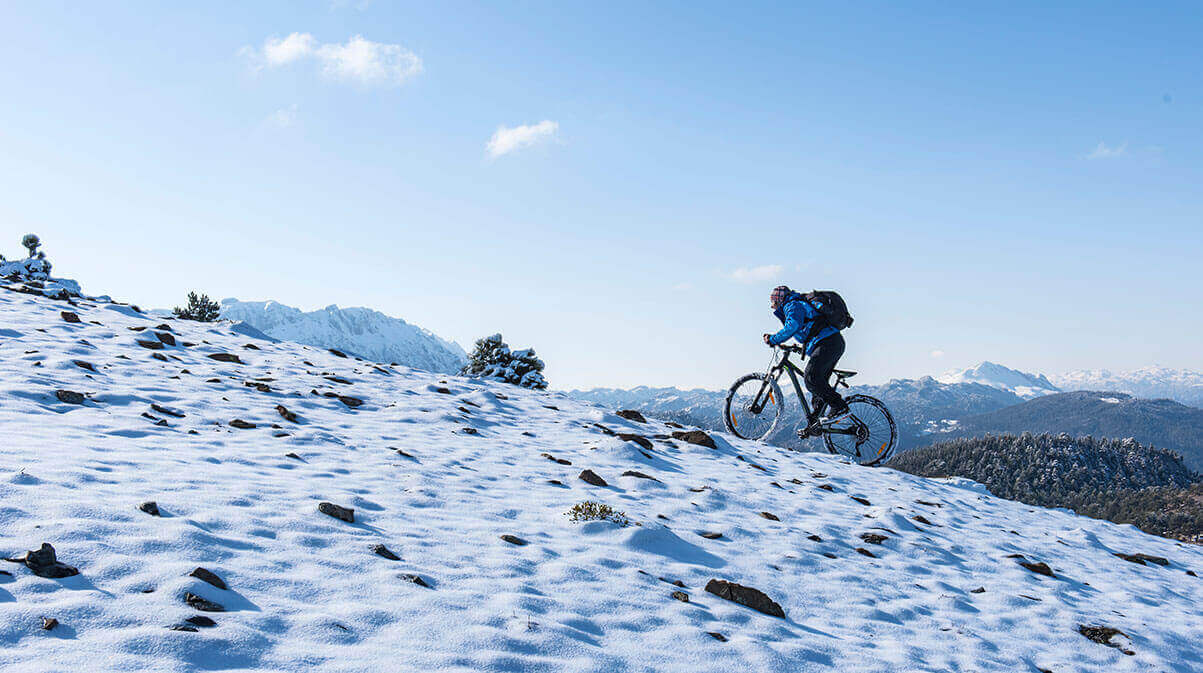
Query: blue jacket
{"points": [[799, 320]]}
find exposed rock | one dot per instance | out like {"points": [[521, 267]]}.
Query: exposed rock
{"points": [[209, 577], [696, 437], [922, 519], [604, 429], [150, 507], [201, 620], [1141, 559], [770, 516], [865, 552], [381, 550], [675, 583], [979, 590], [552, 458], [416, 579], [814, 538], [83, 364], [183, 627], [681, 596], [286, 414], [826, 487], [1038, 567], [48, 623], [165, 411], [337, 379], [746, 596], [873, 538], [242, 425], [514, 539], [639, 475], [350, 401], [342, 513], [717, 636], [711, 535], [202, 604], [1103, 635], [862, 501], [590, 477], [70, 317], [225, 357], [638, 439], [69, 397], [443, 391], [152, 345], [470, 431], [292, 455], [631, 415], [336, 352], [165, 338], [44, 563]]}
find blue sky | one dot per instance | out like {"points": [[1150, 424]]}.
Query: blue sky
{"points": [[1017, 182]]}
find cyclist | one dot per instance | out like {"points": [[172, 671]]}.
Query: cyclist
{"points": [[822, 344]]}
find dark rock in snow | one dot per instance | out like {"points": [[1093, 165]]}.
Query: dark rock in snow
{"points": [[165, 338], [334, 351], [826, 487], [84, 364], [470, 431], [242, 425], [152, 345], [710, 535], [770, 516], [202, 604], [342, 513], [862, 501], [552, 458], [225, 357], [207, 576], [48, 623], [416, 579], [183, 627], [350, 401], [70, 317], [814, 538], [696, 437], [681, 596], [514, 539], [979, 590], [165, 411], [639, 475], [286, 414], [381, 550], [873, 538], [746, 596], [44, 563], [150, 507], [69, 396], [292, 455], [865, 552], [922, 519], [638, 439], [717, 636], [201, 620], [1141, 559], [1103, 635], [1038, 567], [631, 415], [591, 477]]}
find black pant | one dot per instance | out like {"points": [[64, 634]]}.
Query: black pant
{"points": [[817, 375]]}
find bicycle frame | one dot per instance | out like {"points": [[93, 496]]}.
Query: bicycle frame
{"points": [[787, 367]]}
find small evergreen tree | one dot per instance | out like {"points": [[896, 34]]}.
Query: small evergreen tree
{"points": [[31, 241], [493, 359], [200, 308]]}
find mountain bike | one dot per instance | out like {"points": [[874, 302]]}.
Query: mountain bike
{"points": [[754, 403]]}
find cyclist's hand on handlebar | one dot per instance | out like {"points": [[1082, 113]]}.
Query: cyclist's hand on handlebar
{"points": [[766, 340]]}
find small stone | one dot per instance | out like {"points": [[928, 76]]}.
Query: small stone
{"points": [[202, 604], [83, 364], [207, 576], [338, 353], [470, 431], [675, 583], [416, 579], [150, 507], [681, 596], [514, 539], [979, 590], [770, 516], [151, 345], [292, 455], [70, 317], [165, 338], [862, 501], [696, 437], [873, 538], [923, 520], [591, 477], [69, 397], [342, 513], [827, 487], [381, 550], [865, 552], [561, 461], [1038, 567], [746, 596], [350, 401], [183, 627], [631, 415], [710, 535], [814, 538], [242, 425], [638, 439], [44, 563], [201, 620], [48, 623], [1103, 635], [639, 475], [167, 412], [442, 391], [286, 414], [225, 357], [717, 636]]}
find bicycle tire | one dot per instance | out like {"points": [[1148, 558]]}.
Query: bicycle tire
{"points": [[732, 424], [885, 450]]}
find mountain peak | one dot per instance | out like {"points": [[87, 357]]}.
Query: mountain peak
{"points": [[992, 374]]}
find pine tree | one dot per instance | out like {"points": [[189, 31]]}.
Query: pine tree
{"points": [[493, 359], [31, 241], [200, 308]]}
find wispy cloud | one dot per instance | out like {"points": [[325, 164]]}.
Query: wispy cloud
{"points": [[937, 353], [357, 60], [509, 139], [1104, 151], [283, 118], [757, 274]]}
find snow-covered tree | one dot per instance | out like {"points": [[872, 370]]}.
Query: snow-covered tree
{"points": [[493, 359], [200, 308], [31, 241]]}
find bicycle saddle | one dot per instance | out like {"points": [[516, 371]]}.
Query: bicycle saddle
{"points": [[843, 373]]}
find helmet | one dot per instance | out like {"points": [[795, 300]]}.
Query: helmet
{"points": [[777, 298]]}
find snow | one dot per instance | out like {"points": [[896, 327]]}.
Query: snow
{"points": [[1182, 385], [1023, 384], [361, 331], [307, 594]]}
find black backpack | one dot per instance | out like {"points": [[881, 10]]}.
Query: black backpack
{"points": [[831, 308]]}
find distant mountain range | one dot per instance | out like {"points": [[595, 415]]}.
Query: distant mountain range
{"points": [[369, 334], [994, 375], [1181, 385]]}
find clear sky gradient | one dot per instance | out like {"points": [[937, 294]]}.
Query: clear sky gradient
{"points": [[619, 185]]}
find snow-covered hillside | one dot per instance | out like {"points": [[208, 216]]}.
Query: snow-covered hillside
{"points": [[1180, 385], [239, 442], [994, 375], [361, 331]]}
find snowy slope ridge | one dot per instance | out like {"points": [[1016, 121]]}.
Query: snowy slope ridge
{"points": [[994, 375], [874, 570], [1181, 385], [364, 332]]}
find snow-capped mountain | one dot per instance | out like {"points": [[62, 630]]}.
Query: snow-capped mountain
{"points": [[1180, 385], [361, 331], [994, 375], [317, 513]]}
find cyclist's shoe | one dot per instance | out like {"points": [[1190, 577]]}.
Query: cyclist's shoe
{"points": [[835, 417]]}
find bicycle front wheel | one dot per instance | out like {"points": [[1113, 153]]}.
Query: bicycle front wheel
{"points": [[753, 407], [869, 437]]}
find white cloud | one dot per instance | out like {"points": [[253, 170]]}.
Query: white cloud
{"points": [[756, 274], [1105, 152], [358, 59], [506, 140], [937, 353], [284, 117]]}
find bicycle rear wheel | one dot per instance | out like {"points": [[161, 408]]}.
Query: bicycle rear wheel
{"points": [[740, 416], [875, 436]]}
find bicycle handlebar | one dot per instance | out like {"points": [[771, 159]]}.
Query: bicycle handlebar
{"points": [[791, 349]]}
